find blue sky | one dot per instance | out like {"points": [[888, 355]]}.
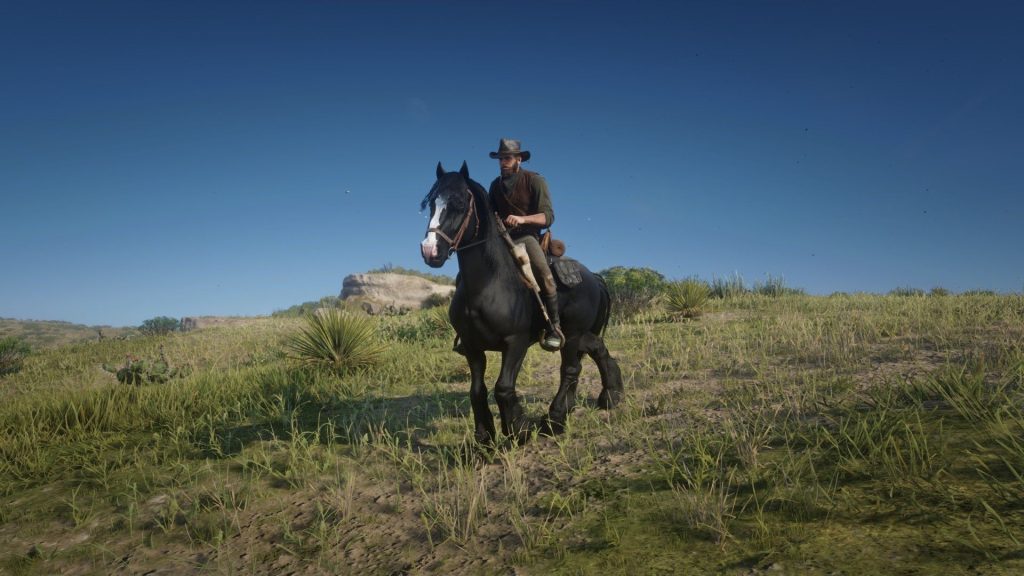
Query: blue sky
{"points": [[191, 158]]}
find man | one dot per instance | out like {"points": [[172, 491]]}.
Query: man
{"points": [[522, 201]]}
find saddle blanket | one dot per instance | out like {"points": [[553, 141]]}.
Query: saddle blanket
{"points": [[566, 271]]}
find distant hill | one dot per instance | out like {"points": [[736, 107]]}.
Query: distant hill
{"points": [[54, 333]]}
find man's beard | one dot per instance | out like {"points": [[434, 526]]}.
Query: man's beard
{"points": [[510, 170]]}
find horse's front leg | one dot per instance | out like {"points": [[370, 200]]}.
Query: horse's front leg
{"points": [[483, 419], [513, 421], [565, 398]]}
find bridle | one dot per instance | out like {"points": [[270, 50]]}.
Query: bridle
{"points": [[453, 244]]}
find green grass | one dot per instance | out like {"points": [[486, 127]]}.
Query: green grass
{"points": [[853, 433]]}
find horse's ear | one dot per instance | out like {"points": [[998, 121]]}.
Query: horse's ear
{"points": [[440, 171], [464, 170]]}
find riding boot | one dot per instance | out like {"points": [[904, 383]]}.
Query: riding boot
{"points": [[553, 338], [458, 347]]}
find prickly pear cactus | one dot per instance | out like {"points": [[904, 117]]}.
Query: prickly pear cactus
{"points": [[137, 371]]}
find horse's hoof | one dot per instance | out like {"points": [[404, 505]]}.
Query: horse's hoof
{"points": [[608, 400], [551, 427]]}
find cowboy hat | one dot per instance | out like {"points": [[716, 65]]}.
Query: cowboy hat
{"points": [[509, 147]]}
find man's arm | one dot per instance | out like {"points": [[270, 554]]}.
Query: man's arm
{"points": [[545, 216]]}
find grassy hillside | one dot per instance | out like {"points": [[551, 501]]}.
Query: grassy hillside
{"points": [[795, 434], [50, 334]]}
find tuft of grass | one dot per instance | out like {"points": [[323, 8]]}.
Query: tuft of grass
{"points": [[775, 286], [335, 341], [728, 287]]}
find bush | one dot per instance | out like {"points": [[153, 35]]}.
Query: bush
{"points": [[906, 291], [686, 298], [938, 291], [12, 354], [335, 341], [632, 289], [160, 325], [437, 300], [420, 326]]}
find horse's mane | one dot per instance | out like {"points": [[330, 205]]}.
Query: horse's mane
{"points": [[479, 192]]}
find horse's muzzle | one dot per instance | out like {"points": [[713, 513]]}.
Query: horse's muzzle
{"points": [[430, 254]]}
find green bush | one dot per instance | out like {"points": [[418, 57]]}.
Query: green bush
{"points": [[632, 290], [12, 354], [906, 291], [419, 326], [939, 291], [335, 341], [160, 325], [686, 298], [437, 300]]}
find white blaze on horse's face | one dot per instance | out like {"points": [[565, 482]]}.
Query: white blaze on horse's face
{"points": [[429, 245]]}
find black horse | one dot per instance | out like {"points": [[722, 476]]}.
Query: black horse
{"points": [[493, 309]]}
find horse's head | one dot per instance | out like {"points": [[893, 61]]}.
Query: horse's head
{"points": [[451, 209]]}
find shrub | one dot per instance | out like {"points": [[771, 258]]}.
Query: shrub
{"points": [[437, 300], [728, 287], [632, 289], [906, 291], [938, 291], [419, 326], [12, 354], [335, 341], [686, 298], [160, 325]]}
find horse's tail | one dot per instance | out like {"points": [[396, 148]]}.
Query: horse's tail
{"points": [[604, 312]]}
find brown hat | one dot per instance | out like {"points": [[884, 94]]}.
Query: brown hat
{"points": [[507, 147]]}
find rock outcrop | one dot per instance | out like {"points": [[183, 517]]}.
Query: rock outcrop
{"points": [[389, 292]]}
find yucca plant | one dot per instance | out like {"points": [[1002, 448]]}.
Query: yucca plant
{"points": [[335, 341], [686, 298]]}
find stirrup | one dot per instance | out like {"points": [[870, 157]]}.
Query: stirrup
{"points": [[553, 340]]}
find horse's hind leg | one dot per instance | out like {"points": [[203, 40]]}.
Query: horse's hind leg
{"points": [[565, 399], [483, 419], [612, 390]]}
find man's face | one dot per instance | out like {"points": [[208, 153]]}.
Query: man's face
{"points": [[509, 163]]}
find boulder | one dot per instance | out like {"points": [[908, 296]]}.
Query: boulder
{"points": [[391, 293]]}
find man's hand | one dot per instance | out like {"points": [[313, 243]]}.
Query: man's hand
{"points": [[512, 221]]}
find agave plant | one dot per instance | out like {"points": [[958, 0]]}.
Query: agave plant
{"points": [[686, 298], [335, 341]]}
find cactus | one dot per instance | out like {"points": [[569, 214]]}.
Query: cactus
{"points": [[137, 371]]}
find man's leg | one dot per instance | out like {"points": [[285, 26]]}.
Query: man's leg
{"points": [[553, 339]]}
